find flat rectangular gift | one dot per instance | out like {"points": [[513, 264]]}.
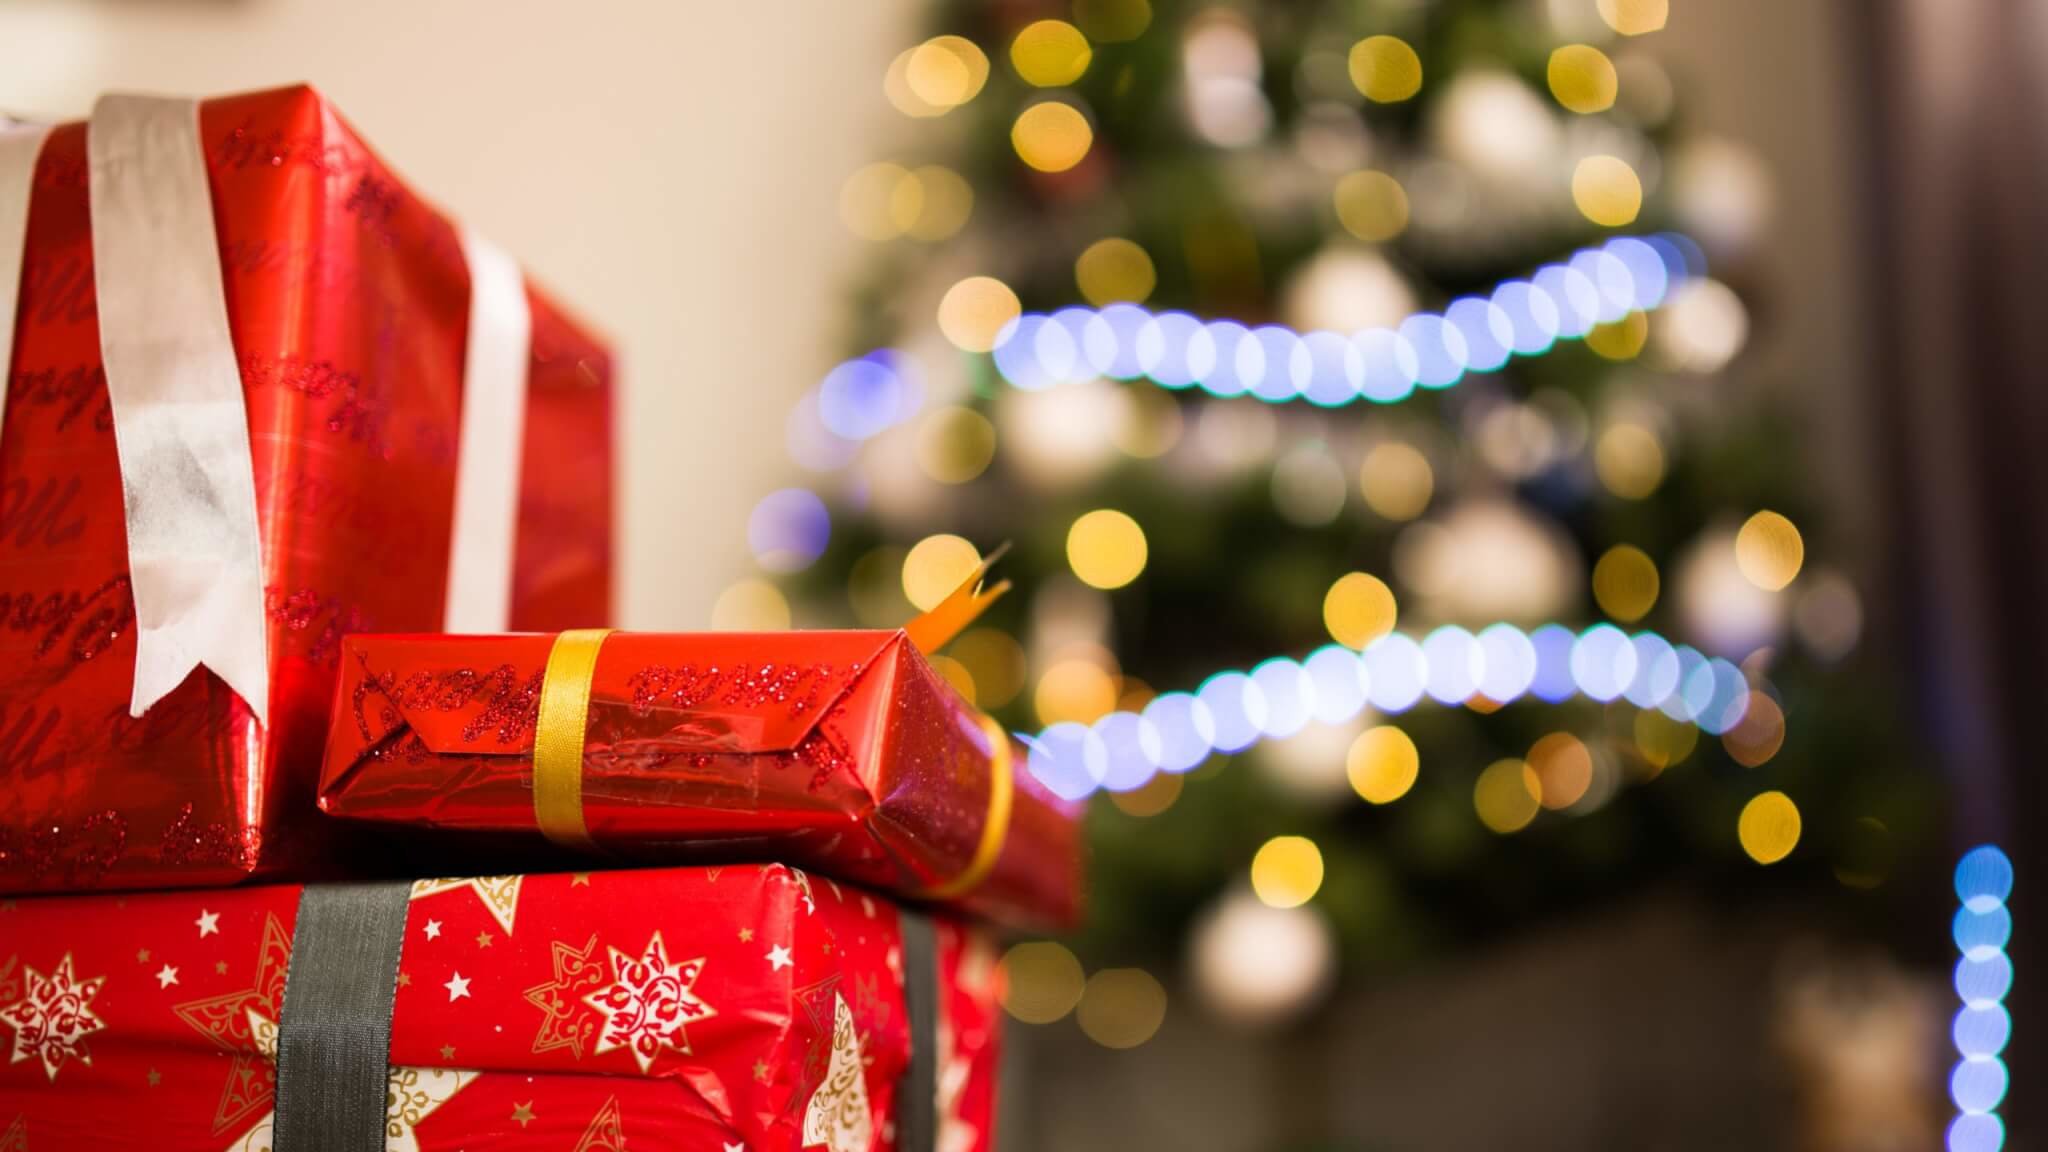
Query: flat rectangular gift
{"points": [[260, 395], [747, 1007], [843, 751]]}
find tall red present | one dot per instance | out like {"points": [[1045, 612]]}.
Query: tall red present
{"points": [[749, 1007], [843, 751], [260, 395]]}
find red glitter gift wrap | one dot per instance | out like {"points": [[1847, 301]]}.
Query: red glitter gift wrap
{"points": [[747, 1007], [347, 299], [842, 751]]}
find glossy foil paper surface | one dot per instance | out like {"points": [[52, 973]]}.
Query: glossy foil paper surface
{"points": [[842, 751], [749, 1007], [348, 302]]}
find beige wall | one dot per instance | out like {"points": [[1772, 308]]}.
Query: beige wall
{"points": [[670, 169]]}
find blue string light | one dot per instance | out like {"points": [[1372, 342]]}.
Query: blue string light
{"points": [[1233, 710], [1982, 1027]]}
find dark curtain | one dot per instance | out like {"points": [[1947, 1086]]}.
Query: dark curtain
{"points": [[1958, 144]]}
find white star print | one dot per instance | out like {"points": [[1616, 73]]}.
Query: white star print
{"points": [[167, 977], [209, 923], [778, 958], [458, 988], [433, 929]]}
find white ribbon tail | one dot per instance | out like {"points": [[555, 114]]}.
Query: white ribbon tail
{"points": [[492, 437], [19, 147], [181, 424]]}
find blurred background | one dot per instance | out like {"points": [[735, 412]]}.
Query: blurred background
{"points": [[1640, 392]]}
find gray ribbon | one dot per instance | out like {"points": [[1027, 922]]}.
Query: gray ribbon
{"points": [[334, 1032], [917, 1098]]}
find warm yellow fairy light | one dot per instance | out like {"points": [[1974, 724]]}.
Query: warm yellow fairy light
{"points": [[1625, 583], [879, 201], [946, 71], [1582, 78], [935, 566], [1621, 339], [1769, 551], [1769, 827], [750, 606], [1372, 206], [1114, 270], [1049, 53], [973, 312], [954, 445], [1041, 982], [1358, 609], [995, 660], [1152, 797], [896, 86], [1607, 191], [1396, 480], [1662, 741], [1629, 460], [1074, 691], [1505, 796], [1121, 1007], [1287, 871], [1106, 548], [1759, 734], [945, 201], [1563, 767], [1382, 764], [1635, 17], [1113, 21], [1051, 136], [1385, 69]]}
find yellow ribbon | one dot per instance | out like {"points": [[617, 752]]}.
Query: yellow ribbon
{"points": [[558, 737], [994, 830]]}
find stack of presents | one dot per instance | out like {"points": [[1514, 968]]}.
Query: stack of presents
{"points": [[329, 817]]}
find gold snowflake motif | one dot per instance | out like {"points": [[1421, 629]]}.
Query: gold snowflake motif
{"points": [[648, 1003], [54, 1016], [838, 1116]]}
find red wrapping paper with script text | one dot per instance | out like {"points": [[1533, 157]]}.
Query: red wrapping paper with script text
{"points": [[150, 1021], [348, 303], [842, 751]]}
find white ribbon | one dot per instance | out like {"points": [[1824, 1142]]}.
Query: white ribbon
{"points": [[492, 435], [181, 424], [20, 144]]}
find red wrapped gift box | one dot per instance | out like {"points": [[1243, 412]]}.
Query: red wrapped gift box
{"points": [[348, 300], [744, 1007], [842, 751]]}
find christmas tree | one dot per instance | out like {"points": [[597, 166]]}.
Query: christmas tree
{"points": [[1398, 540]]}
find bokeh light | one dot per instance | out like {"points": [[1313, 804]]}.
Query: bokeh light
{"points": [[1582, 78], [1113, 21], [1622, 339], [995, 660], [1041, 981], [935, 566], [1769, 550], [1983, 977], [946, 71], [1635, 17], [881, 201], [1385, 69], [1506, 796], [1759, 734], [1258, 965], [1769, 827], [1396, 480], [1371, 206], [1052, 136], [788, 530], [1563, 767], [750, 606], [1074, 691], [1625, 583], [1287, 871], [1607, 191], [1629, 460], [1050, 53], [954, 445], [1121, 1007], [975, 311], [1382, 764], [1152, 797], [1106, 548], [1663, 741], [945, 201], [1358, 609], [1113, 270]]}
